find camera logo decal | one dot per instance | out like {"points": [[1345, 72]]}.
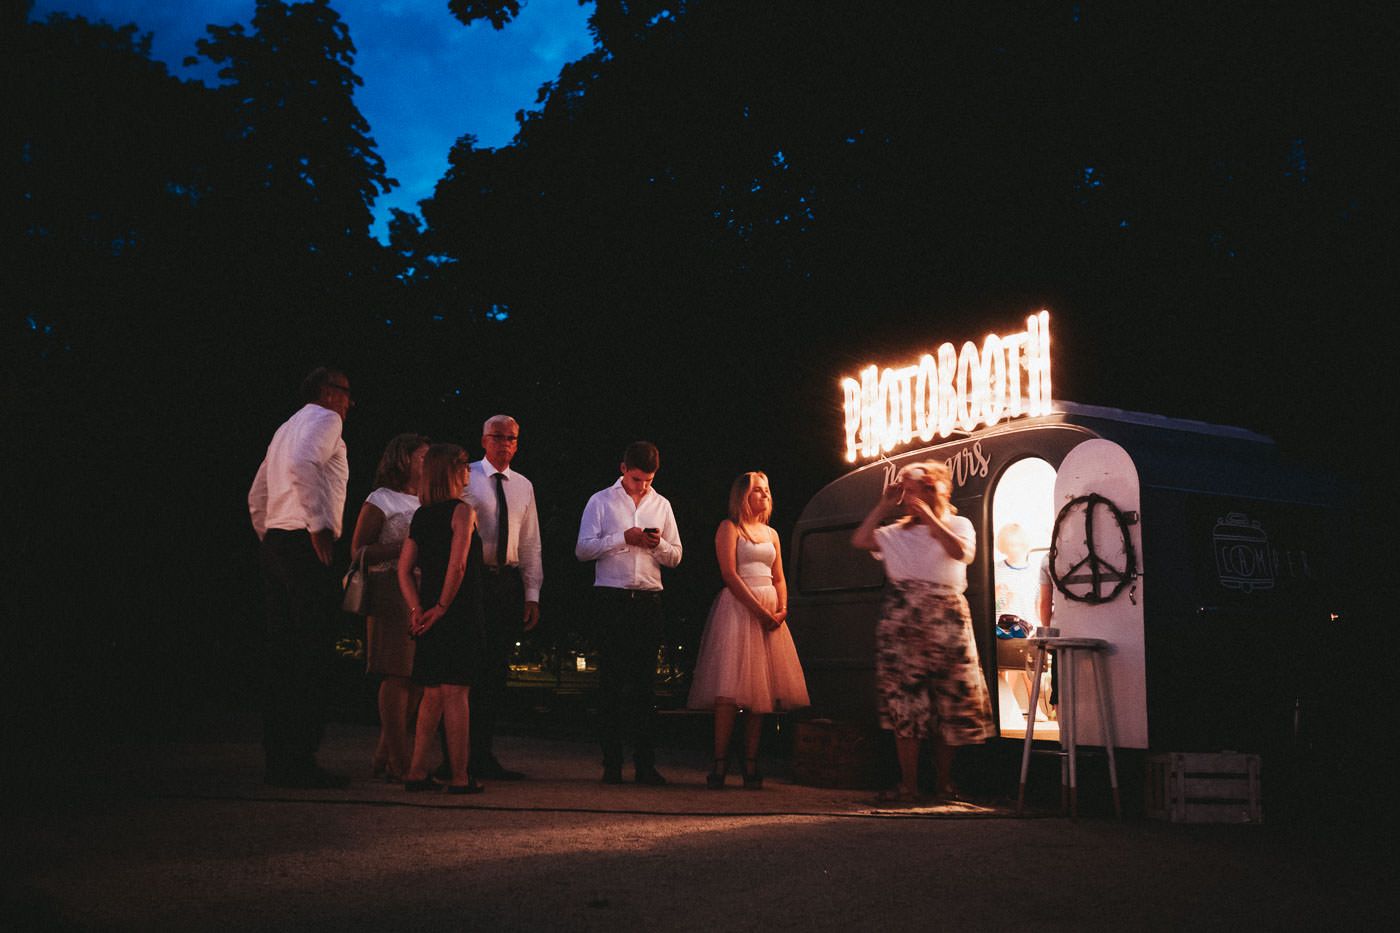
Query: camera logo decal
{"points": [[1242, 554]]}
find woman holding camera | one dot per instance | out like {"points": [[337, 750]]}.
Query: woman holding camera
{"points": [[926, 666]]}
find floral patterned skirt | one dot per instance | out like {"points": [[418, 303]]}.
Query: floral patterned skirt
{"points": [[926, 665]]}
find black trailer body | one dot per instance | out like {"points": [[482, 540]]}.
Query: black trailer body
{"points": [[1215, 576]]}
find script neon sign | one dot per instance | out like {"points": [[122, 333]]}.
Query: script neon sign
{"points": [[952, 390]]}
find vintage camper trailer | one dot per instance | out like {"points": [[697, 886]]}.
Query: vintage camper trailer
{"points": [[1193, 549]]}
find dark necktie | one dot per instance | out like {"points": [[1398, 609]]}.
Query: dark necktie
{"points": [[502, 520]]}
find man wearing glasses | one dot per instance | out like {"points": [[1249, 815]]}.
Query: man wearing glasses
{"points": [[297, 502], [510, 537]]}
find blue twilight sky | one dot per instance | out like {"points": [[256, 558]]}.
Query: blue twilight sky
{"points": [[427, 78]]}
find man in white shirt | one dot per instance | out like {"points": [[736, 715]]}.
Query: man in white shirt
{"points": [[510, 583], [630, 531], [297, 504]]}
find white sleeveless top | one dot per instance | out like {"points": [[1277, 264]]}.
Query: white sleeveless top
{"points": [[398, 509], [754, 562]]}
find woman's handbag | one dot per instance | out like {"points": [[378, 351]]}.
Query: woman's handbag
{"points": [[356, 585]]}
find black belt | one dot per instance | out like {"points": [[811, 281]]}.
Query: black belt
{"points": [[494, 571], [632, 594]]}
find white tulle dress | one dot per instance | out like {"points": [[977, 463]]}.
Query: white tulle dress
{"points": [[740, 659]]}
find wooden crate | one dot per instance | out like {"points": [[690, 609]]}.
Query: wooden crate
{"points": [[834, 754], [1204, 787]]}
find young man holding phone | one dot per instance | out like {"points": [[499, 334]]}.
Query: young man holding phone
{"points": [[629, 530]]}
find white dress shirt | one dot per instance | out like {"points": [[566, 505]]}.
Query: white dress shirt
{"points": [[523, 546], [609, 513], [300, 485]]}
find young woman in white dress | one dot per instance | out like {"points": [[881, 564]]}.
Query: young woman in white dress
{"points": [[747, 658]]}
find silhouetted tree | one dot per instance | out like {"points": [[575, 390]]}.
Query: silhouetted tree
{"points": [[178, 256], [497, 12], [788, 168], [299, 173], [109, 172]]}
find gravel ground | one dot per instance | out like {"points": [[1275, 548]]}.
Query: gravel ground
{"points": [[187, 838]]}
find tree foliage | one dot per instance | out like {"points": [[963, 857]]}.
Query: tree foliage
{"points": [[793, 167], [177, 254], [295, 134], [496, 12]]}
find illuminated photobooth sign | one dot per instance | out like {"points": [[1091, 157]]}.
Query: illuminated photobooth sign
{"points": [[954, 390]]}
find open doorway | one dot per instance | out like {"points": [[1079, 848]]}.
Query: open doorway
{"points": [[1023, 516]]}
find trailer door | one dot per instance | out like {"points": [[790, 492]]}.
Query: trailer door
{"points": [[1099, 585]]}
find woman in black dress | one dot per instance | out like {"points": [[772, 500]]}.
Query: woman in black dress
{"points": [[443, 544]]}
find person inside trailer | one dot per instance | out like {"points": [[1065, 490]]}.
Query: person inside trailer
{"points": [[1017, 590]]}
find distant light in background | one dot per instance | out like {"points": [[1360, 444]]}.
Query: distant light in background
{"points": [[1297, 161]]}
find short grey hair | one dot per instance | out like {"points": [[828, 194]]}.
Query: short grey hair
{"points": [[497, 419]]}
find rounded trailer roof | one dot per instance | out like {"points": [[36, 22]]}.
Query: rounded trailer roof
{"points": [[1169, 453]]}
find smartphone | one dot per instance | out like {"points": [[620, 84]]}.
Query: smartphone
{"points": [[652, 531]]}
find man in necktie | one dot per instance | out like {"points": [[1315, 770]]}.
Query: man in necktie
{"points": [[510, 536]]}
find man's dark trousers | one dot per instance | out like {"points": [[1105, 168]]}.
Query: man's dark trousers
{"points": [[302, 602], [629, 634], [503, 599]]}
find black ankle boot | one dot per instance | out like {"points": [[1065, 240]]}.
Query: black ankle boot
{"points": [[752, 779], [715, 779]]}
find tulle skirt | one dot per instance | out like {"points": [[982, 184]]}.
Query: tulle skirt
{"points": [[741, 660]]}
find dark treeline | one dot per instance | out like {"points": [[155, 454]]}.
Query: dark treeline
{"points": [[698, 228]]}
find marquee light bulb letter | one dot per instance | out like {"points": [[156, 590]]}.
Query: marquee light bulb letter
{"points": [[950, 389]]}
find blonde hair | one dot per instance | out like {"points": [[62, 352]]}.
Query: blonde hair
{"points": [[438, 466], [739, 511], [1006, 533], [929, 472]]}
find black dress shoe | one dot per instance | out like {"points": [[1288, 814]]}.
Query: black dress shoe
{"points": [[612, 774], [306, 778], [651, 777], [426, 783]]}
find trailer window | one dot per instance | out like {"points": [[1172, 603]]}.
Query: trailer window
{"points": [[827, 562]]}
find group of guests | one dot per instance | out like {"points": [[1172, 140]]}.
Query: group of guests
{"points": [[452, 549]]}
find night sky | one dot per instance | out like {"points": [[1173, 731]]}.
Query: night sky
{"points": [[476, 78]]}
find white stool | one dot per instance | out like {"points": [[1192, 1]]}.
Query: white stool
{"points": [[1068, 651]]}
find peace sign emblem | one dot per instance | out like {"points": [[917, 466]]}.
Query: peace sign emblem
{"points": [[1078, 566]]}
